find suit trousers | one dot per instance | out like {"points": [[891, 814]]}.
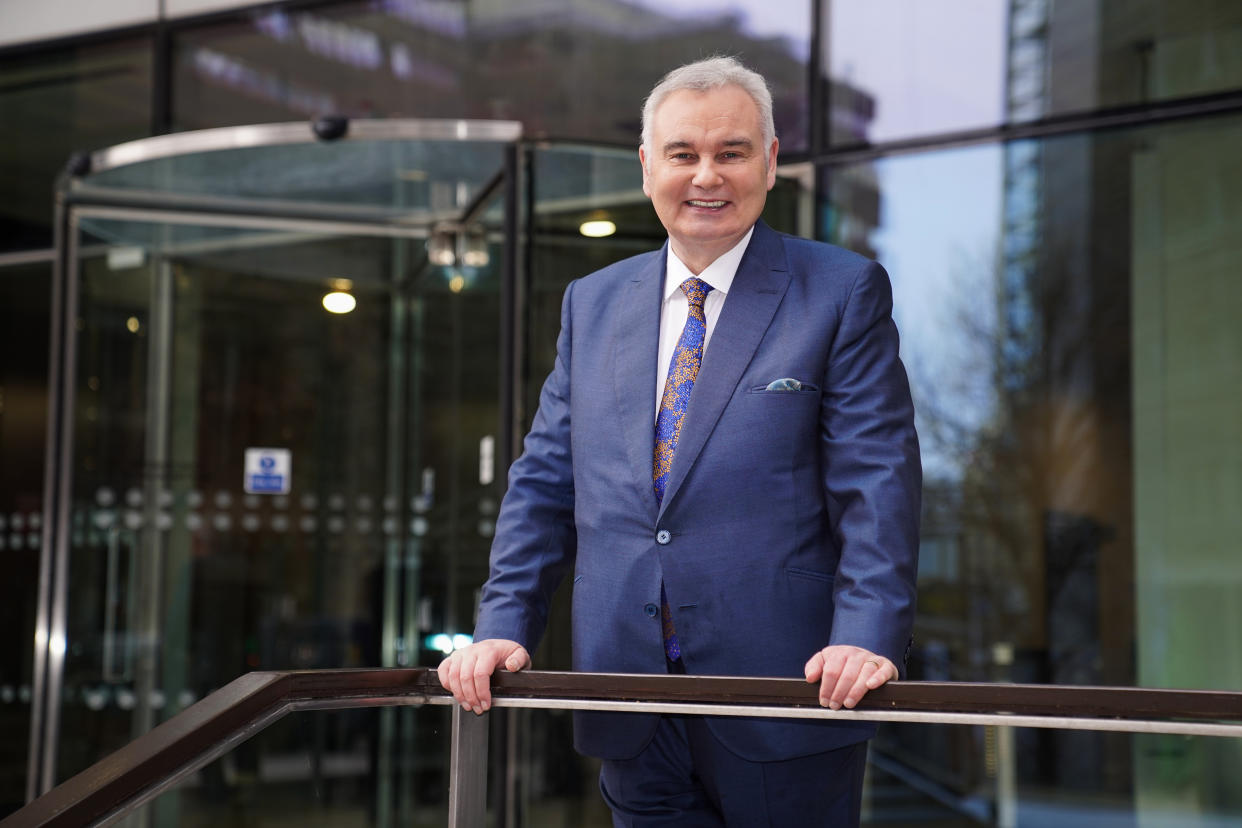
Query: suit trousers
{"points": [[687, 779]]}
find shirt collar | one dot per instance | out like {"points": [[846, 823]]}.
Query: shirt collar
{"points": [[719, 274]]}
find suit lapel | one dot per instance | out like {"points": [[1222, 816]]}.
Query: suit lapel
{"points": [[757, 291], [637, 350]]}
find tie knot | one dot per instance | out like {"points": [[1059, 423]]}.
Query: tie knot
{"points": [[696, 291]]}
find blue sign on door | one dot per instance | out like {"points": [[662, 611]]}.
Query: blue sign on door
{"points": [[268, 471]]}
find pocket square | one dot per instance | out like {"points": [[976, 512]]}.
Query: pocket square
{"points": [[784, 384]]}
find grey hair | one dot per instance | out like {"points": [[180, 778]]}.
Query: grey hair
{"points": [[708, 74]]}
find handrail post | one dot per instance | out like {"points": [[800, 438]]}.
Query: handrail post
{"points": [[1006, 778], [468, 770]]}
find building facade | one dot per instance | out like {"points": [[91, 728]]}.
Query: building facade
{"points": [[1054, 188]]}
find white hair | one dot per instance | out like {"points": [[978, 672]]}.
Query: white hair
{"points": [[708, 74]]}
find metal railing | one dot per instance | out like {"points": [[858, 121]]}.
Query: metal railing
{"points": [[138, 772]]}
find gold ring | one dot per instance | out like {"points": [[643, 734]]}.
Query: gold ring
{"points": [[873, 661]]}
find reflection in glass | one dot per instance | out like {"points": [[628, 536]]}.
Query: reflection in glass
{"points": [[902, 69], [58, 103], [569, 70], [1069, 314], [899, 68]]}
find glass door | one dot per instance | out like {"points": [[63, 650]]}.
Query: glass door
{"points": [[359, 545]]}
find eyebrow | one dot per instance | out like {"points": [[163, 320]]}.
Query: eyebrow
{"points": [[728, 142], [676, 145]]}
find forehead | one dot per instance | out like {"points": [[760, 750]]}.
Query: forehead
{"points": [[688, 111]]}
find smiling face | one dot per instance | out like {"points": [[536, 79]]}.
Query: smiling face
{"points": [[705, 171]]}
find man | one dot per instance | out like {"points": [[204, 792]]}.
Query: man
{"points": [[725, 454]]}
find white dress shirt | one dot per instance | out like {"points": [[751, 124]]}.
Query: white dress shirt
{"points": [[676, 307]]}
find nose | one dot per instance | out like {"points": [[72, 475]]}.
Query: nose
{"points": [[706, 176]]}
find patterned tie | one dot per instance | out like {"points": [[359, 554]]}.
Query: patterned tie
{"points": [[682, 370]]}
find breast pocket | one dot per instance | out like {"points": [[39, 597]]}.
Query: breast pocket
{"points": [[793, 413], [771, 432]]}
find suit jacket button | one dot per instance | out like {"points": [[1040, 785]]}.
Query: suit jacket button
{"points": [[664, 537], [652, 610]]}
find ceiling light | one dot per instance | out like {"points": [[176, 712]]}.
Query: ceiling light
{"points": [[474, 252], [442, 249], [597, 229], [339, 301]]}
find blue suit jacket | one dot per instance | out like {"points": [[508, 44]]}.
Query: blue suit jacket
{"points": [[792, 516]]}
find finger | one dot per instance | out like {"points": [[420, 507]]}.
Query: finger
{"points": [[851, 667], [874, 672], [442, 673], [519, 659], [452, 669], [814, 668], [482, 681], [855, 692], [884, 673], [469, 696], [835, 667]]}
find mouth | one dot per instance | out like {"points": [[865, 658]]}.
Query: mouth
{"points": [[706, 204]]}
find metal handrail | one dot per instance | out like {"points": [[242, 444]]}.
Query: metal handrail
{"points": [[159, 759]]}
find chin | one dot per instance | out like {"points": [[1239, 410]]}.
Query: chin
{"points": [[713, 233]]}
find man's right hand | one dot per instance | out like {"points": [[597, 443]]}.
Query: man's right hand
{"points": [[467, 673]]}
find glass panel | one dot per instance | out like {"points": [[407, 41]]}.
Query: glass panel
{"points": [[553, 785], [1071, 331], [55, 104], [563, 68], [185, 569], [1036, 777], [328, 768], [25, 299], [901, 69]]}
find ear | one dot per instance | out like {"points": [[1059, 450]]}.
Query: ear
{"points": [[642, 159], [772, 162]]}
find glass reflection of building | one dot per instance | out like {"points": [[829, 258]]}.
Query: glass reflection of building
{"points": [[1052, 186]]}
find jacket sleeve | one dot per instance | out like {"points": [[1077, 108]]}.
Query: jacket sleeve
{"points": [[872, 474], [535, 539]]}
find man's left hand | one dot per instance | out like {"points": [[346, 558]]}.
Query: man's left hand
{"points": [[846, 673]]}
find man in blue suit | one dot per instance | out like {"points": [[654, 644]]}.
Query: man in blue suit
{"points": [[725, 455]]}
